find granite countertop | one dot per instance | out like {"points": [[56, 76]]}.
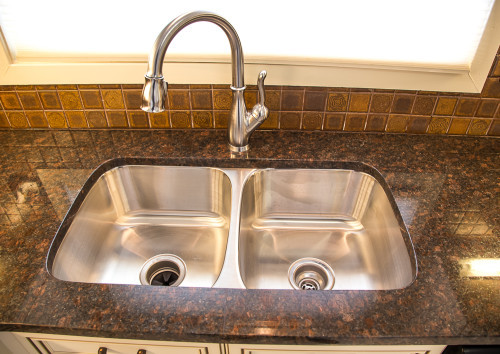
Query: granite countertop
{"points": [[447, 189]]}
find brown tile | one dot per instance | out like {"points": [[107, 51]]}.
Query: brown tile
{"points": [[37, 119], [337, 102], [355, 122], [45, 87], [200, 87], [222, 99], [459, 126], [30, 100], [96, 119], [180, 119], [334, 121], [4, 122], [133, 99], [201, 99], [178, 99], [418, 124], [159, 120], [292, 100], [479, 126], [7, 88], [110, 87], [181, 86], [466, 107], [312, 120], [495, 68], [359, 102], [290, 120], [133, 87], [88, 87], [397, 123], [273, 100], [381, 103], [445, 106], [113, 99], [424, 105], [76, 119], [487, 108], [50, 100], [495, 128], [25, 87], [70, 100], [221, 119], [376, 122], [439, 125], [491, 88], [202, 119], [138, 119], [272, 122], [402, 103], [17, 120], [56, 119], [10, 101], [117, 119], [91, 99], [250, 98], [315, 100], [66, 87]]}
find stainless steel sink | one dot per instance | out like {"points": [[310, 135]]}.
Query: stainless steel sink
{"points": [[133, 214], [235, 228], [340, 220]]}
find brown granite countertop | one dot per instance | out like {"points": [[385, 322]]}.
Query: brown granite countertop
{"points": [[447, 189]]}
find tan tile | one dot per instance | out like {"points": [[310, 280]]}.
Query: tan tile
{"points": [[381, 103], [159, 120], [30, 100], [445, 106], [50, 100], [424, 105], [272, 122], [202, 119], [180, 119], [113, 99], [70, 100], [91, 99], [56, 119], [37, 119], [10, 101], [459, 126], [397, 123], [17, 120], [334, 121], [96, 119], [479, 126], [337, 102], [66, 87], [88, 87], [439, 125], [25, 87], [76, 119], [221, 119], [250, 98], [312, 120], [45, 87], [117, 119], [359, 103], [4, 122]]}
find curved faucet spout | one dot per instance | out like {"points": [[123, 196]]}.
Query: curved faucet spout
{"points": [[163, 40], [241, 123]]}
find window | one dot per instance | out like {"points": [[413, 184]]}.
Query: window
{"points": [[445, 45]]}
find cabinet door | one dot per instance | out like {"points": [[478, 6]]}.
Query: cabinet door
{"points": [[333, 349]]}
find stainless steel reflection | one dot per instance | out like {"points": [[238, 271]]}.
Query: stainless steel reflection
{"points": [[237, 228], [134, 213], [241, 122], [341, 217]]}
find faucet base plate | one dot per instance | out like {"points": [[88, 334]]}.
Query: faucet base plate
{"points": [[238, 148]]}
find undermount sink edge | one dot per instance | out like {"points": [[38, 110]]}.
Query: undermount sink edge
{"points": [[223, 231]]}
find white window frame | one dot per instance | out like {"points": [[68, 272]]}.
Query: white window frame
{"points": [[208, 70]]}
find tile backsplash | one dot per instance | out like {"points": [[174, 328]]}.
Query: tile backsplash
{"points": [[291, 107]]}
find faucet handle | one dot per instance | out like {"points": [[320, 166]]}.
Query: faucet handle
{"points": [[260, 85]]}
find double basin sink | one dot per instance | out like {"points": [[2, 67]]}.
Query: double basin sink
{"points": [[253, 228]]}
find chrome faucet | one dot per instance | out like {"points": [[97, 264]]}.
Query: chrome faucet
{"points": [[241, 122]]}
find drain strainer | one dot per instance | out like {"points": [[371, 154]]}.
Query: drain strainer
{"points": [[163, 270], [311, 274]]}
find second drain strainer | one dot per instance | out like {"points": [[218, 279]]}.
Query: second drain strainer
{"points": [[311, 274], [163, 270]]}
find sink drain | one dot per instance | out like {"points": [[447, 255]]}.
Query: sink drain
{"points": [[163, 270], [311, 274]]}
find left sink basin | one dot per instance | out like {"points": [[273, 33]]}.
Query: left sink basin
{"points": [[159, 225]]}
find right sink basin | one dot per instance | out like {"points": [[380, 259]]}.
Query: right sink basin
{"points": [[322, 229]]}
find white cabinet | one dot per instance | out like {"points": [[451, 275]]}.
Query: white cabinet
{"points": [[34, 343]]}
